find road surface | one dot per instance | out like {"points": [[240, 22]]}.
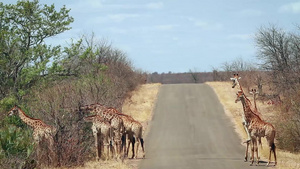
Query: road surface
{"points": [[190, 130]]}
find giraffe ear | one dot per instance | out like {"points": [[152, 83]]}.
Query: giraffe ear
{"points": [[232, 79]]}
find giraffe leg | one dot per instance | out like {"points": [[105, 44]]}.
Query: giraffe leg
{"points": [[124, 146], [127, 151], [107, 150], [142, 144], [133, 142], [252, 151], [274, 152], [246, 152], [137, 147], [112, 148], [117, 143], [107, 145], [272, 149], [259, 142], [269, 156], [247, 132], [256, 152], [248, 139], [97, 146], [118, 148], [112, 142]]}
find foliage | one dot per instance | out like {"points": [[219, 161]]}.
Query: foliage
{"points": [[24, 55], [15, 146], [49, 83], [15, 141]]}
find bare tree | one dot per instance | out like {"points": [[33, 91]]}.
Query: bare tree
{"points": [[274, 47]]}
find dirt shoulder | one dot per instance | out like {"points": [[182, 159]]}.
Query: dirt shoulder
{"points": [[227, 96]]}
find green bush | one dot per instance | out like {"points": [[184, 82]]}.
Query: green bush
{"points": [[16, 141], [16, 147]]}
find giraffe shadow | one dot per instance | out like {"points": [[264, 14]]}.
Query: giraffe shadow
{"points": [[261, 164]]}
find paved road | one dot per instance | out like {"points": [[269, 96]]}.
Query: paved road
{"points": [[190, 130]]}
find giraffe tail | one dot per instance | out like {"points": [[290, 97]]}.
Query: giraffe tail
{"points": [[259, 142], [273, 147]]}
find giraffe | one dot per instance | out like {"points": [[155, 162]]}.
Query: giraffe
{"points": [[134, 130], [235, 81], [257, 128], [102, 133], [254, 94], [244, 122], [40, 131], [115, 121]]}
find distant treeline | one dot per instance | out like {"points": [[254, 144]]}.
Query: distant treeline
{"points": [[173, 78]]}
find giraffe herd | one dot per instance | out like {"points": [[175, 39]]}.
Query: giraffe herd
{"points": [[122, 127], [254, 125], [111, 129]]}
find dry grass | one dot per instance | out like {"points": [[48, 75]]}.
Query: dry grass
{"points": [[227, 96], [141, 103], [140, 106]]}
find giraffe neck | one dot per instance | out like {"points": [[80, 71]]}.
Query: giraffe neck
{"points": [[246, 106], [26, 119], [90, 118], [254, 100], [238, 84]]}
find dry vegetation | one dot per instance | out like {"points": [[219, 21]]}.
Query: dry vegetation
{"points": [[140, 106], [226, 95]]}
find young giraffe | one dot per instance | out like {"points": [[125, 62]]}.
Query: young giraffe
{"points": [[102, 133], [254, 94], [115, 121], [257, 128], [134, 131], [40, 131]]}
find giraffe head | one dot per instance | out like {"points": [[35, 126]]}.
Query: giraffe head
{"points": [[253, 92], [235, 79], [13, 111], [239, 95], [89, 118], [95, 108]]}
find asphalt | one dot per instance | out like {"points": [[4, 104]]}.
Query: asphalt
{"points": [[190, 130]]}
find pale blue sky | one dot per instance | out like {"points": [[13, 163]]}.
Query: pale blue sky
{"points": [[175, 35]]}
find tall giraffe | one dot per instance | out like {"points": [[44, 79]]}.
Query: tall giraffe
{"points": [[40, 130], [102, 133], [134, 131], [235, 83], [257, 128], [245, 125], [115, 121]]}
